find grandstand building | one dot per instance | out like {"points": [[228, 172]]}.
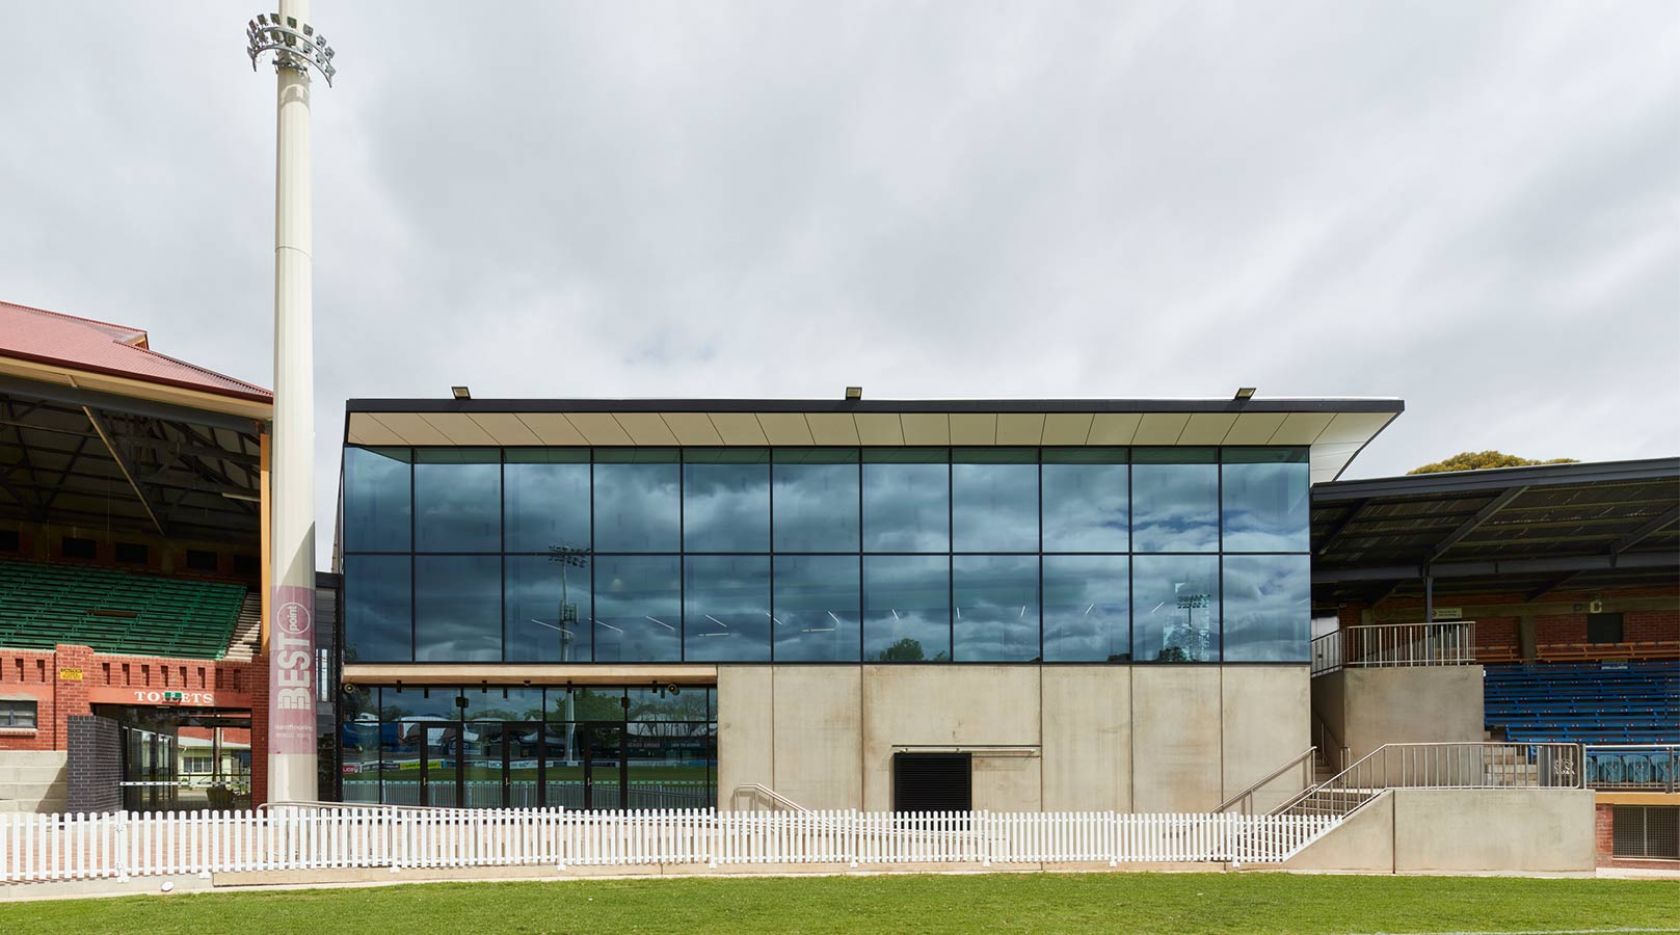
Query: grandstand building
{"points": [[131, 525], [1060, 605], [1534, 604]]}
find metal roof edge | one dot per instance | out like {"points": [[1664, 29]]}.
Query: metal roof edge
{"points": [[1271, 405], [1584, 472]]}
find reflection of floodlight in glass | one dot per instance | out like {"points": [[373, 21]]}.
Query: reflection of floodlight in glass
{"points": [[662, 623], [717, 621]]}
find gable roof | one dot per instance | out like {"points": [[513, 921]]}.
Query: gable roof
{"points": [[40, 336]]}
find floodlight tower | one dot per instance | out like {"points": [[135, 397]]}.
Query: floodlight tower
{"points": [[290, 629]]}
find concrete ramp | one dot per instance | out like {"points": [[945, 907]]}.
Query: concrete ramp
{"points": [[1461, 831]]}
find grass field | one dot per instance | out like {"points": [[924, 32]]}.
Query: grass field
{"points": [[1118, 902]]}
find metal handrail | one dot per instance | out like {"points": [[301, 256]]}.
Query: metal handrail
{"points": [[759, 789], [1247, 795], [378, 806], [1470, 765], [1386, 645], [1326, 740]]}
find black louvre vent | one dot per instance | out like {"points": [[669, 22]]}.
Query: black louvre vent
{"points": [[932, 782]]}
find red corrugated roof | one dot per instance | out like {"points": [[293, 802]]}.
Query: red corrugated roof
{"points": [[84, 344]]}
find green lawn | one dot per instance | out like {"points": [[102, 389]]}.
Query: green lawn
{"points": [[979, 903]]}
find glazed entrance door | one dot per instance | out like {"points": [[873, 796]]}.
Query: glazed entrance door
{"points": [[604, 765]]}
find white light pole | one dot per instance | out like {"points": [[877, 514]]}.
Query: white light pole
{"points": [[291, 630]]}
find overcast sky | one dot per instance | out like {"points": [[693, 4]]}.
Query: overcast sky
{"points": [[1474, 207]]}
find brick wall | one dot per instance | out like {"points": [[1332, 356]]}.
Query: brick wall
{"points": [[32, 674], [94, 764], [259, 732], [1604, 831]]}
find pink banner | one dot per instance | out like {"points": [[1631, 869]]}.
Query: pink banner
{"points": [[291, 670]]}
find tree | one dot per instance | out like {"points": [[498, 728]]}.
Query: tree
{"points": [[1481, 460], [905, 650]]}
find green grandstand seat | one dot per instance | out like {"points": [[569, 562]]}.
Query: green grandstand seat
{"points": [[42, 605]]}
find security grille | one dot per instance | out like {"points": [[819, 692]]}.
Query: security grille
{"points": [[932, 782], [1646, 831]]}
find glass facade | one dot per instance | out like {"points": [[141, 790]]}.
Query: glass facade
{"points": [[826, 555], [517, 747]]}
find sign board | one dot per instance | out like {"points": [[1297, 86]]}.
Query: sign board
{"points": [[185, 698], [70, 675], [1449, 613]]}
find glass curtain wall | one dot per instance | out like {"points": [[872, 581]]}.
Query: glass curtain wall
{"points": [[824, 555], [526, 747]]}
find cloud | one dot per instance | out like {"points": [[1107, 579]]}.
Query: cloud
{"points": [[1469, 206]]}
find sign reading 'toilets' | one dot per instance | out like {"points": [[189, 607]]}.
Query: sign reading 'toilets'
{"points": [[291, 670]]}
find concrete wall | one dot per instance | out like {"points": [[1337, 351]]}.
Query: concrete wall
{"points": [[33, 781], [1077, 738], [1367, 708], [1463, 830]]}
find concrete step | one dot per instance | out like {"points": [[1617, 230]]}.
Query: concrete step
{"points": [[32, 757], [46, 773]]}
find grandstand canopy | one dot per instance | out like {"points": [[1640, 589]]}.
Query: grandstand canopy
{"points": [[1526, 530], [96, 428]]}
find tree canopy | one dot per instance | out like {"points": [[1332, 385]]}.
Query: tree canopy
{"points": [[1481, 460]]}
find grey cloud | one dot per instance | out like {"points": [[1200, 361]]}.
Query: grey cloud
{"points": [[1467, 205]]}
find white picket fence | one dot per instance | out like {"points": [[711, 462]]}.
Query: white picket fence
{"points": [[69, 847]]}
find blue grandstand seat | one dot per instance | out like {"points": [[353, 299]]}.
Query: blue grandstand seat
{"points": [[1635, 702]]}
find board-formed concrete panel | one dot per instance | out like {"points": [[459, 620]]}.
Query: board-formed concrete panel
{"points": [[1265, 724], [1087, 726], [817, 743], [1408, 704], [1176, 739], [937, 705], [1524, 830], [745, 733]]}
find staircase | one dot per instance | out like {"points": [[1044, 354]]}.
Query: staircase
{"points": [[247, 631]]}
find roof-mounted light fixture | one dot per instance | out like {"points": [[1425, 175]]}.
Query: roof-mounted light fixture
{"points": [[854, 392], [1245, 393], [296, 45], [460, 392]]}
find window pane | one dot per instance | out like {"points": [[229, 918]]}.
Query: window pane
{"points": [[1175, 507], [816, 608], [688, 703], [458, 608], [906, 608], [994, 503], [458, 500], [638, 609], [906, 507], [1268, 608], [378, 609], [547, 502], [1087, 608], [996, 608], [1266, 507], [726, 608], [1085, 507], [376, 499], [726, 504], [1175, 608], [360, 760], [548, 608], [816, 504], [636, 507]]}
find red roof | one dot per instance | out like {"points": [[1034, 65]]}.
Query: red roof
{"points": [[102, 347]]}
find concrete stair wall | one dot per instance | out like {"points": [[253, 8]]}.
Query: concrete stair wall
{"points": [[33, 781]]}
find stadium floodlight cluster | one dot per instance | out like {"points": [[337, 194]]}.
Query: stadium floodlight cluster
{"points": [[295, 45]]}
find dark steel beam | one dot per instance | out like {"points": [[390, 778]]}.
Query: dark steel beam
{"points": [[1470, 525], [1513, 566], [1644, 532], [105, 436]]}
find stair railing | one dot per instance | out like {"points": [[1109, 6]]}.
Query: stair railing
{"points": [[1471, 765], [1335, 752], [1243, 801]]}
